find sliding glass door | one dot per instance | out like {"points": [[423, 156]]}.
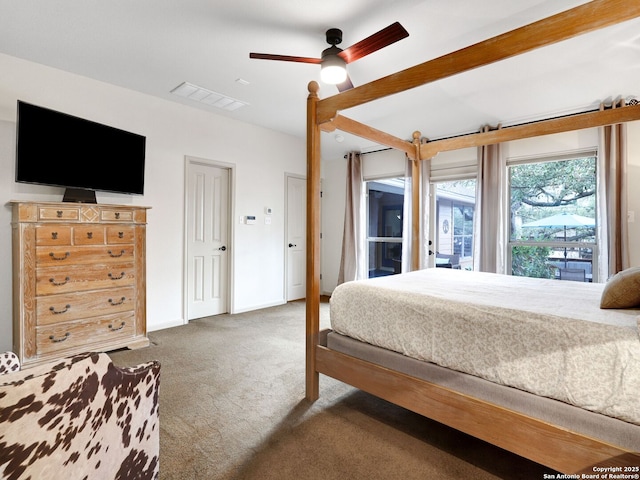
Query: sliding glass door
{"points": [[385, 204]]}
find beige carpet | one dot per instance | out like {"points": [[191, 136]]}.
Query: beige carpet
{"points": [[232, 407]]}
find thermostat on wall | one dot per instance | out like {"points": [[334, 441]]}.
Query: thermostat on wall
{"points": [[250, 219]]}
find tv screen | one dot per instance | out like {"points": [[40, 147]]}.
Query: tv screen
{"points": [[54, 148]]}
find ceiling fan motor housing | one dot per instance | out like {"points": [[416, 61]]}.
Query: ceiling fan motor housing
{"points": [[331, 51], [334, 36]]}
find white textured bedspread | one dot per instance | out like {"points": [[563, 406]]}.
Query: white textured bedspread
{"points": [[547, 337]]}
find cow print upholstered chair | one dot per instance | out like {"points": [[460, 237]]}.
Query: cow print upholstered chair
{"points": [[9, 362], [79, 418]]}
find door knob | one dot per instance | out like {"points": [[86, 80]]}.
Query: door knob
{"points": [[292, 245], [223, 248]]}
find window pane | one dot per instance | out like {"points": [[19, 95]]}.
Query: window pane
{"points": [[455, 205], [548, 262], [385, 258], [385, 206], [553, 221], [554, 201]]}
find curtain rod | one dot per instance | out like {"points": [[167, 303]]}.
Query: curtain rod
{"points": [[606, 105], [373, 151]]}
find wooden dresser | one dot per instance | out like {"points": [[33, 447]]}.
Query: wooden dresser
{"points": [[78, 279]]}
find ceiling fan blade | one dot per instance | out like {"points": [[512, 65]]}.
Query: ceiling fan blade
{"points": [[284, 58], [346, 85], [375, 42]]}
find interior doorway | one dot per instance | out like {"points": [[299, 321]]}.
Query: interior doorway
{"points": [[296, 237], [207, 238]]}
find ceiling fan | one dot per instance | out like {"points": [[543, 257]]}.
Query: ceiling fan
{"points": [[333, 60]]}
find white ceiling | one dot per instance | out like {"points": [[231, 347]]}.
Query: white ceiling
{"points": [[152, 46]]}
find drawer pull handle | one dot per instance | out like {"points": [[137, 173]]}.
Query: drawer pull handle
{"points": [[113, 277], [117, 328], [61, 339], [115, 304], [58, 284], [120, 234], [53, 256], [117, 214], [59, 213], [54, 235], [89, 235], [116, 255], [58, 312]]}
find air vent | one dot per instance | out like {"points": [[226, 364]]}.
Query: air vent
{"points": [[208, 97]]}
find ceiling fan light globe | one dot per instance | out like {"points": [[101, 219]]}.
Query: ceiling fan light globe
{"points": [[333, 68], [333, 74]]}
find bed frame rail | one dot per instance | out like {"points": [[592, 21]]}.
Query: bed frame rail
{"points": [[558, 448]]}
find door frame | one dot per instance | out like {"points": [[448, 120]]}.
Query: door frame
{"points": [[190, 160], [287, 176]]}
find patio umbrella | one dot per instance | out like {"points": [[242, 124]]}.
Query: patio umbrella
{"points": [[562, 220]]}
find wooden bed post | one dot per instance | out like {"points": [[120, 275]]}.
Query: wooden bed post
{"points": [[416, 184], [313, 243]]}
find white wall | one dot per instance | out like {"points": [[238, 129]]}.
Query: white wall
{"points": [[260, 156], [334, 184]]}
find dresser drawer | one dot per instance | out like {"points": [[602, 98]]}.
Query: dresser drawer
{"points": [[76, 278], [88, 235], [58, 213], [118, 234], [116, 215], [48, 256], [53, 309], [53, 235], [67, 335]]}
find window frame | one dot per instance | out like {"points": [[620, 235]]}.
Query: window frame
{"points": [[510, 244]]}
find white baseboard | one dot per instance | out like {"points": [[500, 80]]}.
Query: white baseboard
{"points": [[175, 323], [259, 307]]}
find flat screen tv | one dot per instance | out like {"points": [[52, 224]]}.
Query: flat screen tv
{"points": [[58, 149]]}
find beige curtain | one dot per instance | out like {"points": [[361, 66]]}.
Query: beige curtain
{"points": [[613, 230], [352, 261], [489, 250], [407, 210]]}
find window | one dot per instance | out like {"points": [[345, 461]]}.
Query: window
{"points": [[553, 220], [455, 206], [385, 204]]}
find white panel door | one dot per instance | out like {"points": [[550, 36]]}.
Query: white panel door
{"points": [[207, 239], [296, 238]]}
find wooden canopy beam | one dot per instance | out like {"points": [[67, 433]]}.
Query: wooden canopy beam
{"points": [[534, 129], [576, 21], [347, 125]]}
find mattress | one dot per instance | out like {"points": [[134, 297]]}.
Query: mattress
{"points": [[546, 337]]}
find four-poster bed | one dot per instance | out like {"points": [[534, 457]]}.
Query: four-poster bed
{"points": [[512, 428]]}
